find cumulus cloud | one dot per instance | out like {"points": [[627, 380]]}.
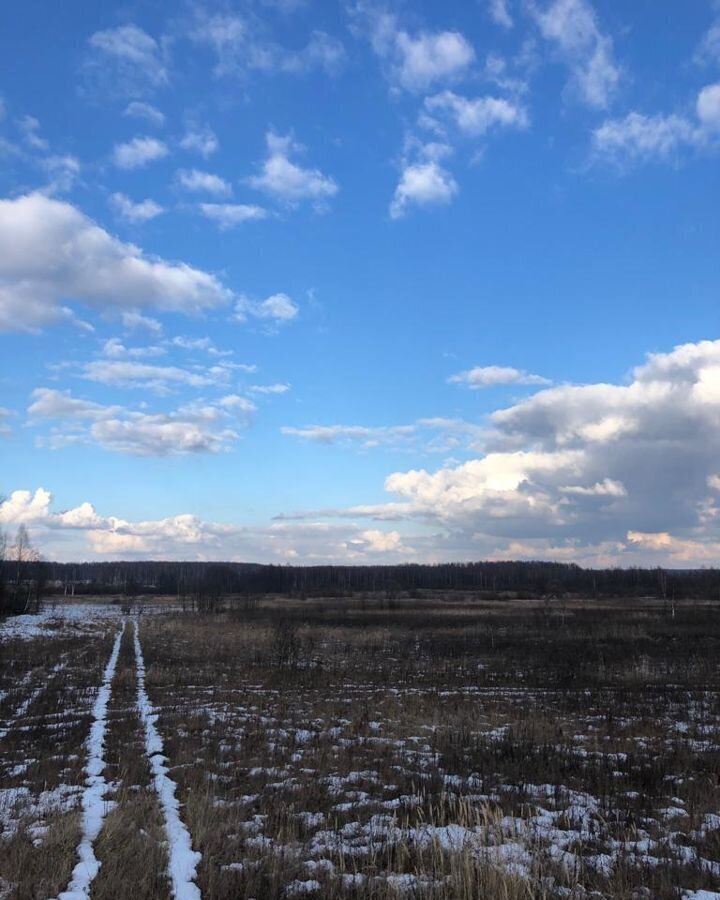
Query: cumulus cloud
{"points": [[138, 152], [125, 61], [708, 53], [425, 183], [276, 309], [479, 115], [126, 373], [145, 111], [640, 138], [200, 139], [571, 27], [591, 463], [489, 376], [191, 428], [230, 215], [135, 212], [51, 254], [323, 52], [375, 541], [203, 182], [500, 13], [82, 532], [63, 170], [115, 349], [135, 321], [417, 61], [708, 106], [240, 47], [288, 181], [661, 138], [29, 127]]}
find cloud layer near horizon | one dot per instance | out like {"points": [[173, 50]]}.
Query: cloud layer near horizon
{"points": [[597, 473]]}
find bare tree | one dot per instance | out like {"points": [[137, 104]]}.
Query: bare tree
{"points": [[27, 583], [3, 574]]}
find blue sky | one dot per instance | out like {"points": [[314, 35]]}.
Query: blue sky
{"points": [[296, 281]]}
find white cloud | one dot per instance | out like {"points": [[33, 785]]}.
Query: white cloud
{"points": [[143, 211], [115, 349], [193, 343], [240, 47], [479, 115], [280, 388], [322, 53], [126, 373], [145, 111], [415, 62], [375, 541], [30, 129], [51, 254], [237, 403], [587, 464], [709, 50], [63, 172], [708, 106], [500, 13], [286, 180], [230, 215], [201, 140], [203, 182], [645, 138], [641, 138], [191, 428], [430, 435], [135, 321], [422, 184], [366, 436], [25, 506], [277, 309], [82, 532], [125, 61], [571, 27], [489, 376], [139, 152], [598, 473]]}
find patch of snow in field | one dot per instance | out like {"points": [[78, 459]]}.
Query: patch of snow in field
{"points": [[94, 807], [182, 859], [296, 888], [63, 618], [25, 705], [18, 804]]}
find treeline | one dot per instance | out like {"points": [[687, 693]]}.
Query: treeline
{"points": [[487, 578]]}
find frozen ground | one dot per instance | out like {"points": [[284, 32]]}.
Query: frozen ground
{"points": [[354, 750]]}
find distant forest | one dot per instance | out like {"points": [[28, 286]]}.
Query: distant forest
{"points": [[509, 579]]}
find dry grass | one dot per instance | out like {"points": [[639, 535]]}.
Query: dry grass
{"points": [[440, 748]]}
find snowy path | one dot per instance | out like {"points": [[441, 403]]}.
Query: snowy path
{"points": [[182, 859], [93, 806]]}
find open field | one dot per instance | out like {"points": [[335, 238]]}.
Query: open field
{"points": [[430, 748]]}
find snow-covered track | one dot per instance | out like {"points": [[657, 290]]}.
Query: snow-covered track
{"points": [[182, 859], [94, 807]]}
